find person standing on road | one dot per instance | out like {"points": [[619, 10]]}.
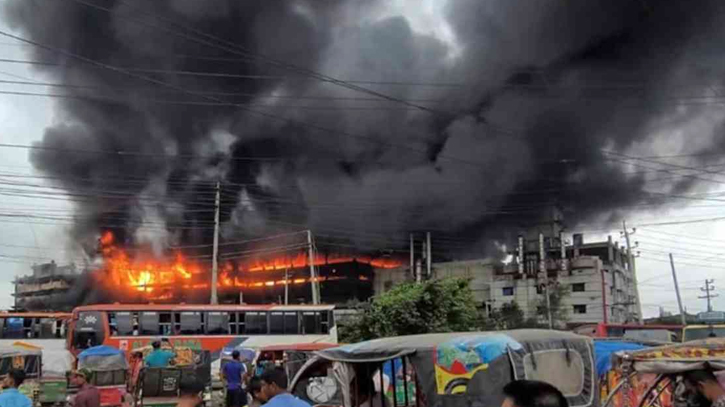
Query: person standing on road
{"points": [[11, 397], [233, 373], [87, 396], [274, 390]]}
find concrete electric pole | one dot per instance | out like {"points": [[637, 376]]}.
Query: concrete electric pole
{"points": [[313, 275], [215, 250], [633, 268], [677, 291], [707, 289]]}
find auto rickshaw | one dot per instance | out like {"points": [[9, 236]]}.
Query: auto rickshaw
{"points": [[159, 386], [27, 359], [53, 383], [109, 372], [653, 376], [448, 369]]}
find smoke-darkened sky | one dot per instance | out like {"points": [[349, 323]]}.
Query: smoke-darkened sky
{"points": [[468, 118]]}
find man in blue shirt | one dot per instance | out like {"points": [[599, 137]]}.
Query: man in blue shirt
{"points": [[233, 372], [11, 397], [159, 357], [274, 389]]}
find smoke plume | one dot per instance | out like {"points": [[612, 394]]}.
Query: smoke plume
{"points": [[500, 111]]}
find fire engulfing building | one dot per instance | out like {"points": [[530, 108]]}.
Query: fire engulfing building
{"points": [[44, 289], [594, 281]]}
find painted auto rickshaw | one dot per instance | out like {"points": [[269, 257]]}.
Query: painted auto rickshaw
{"points": [[653, 376], [448, 369], [109, 372], [27, 359], [159, 386], [53, 383]]}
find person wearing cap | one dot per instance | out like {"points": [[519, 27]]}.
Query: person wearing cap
{"points": [[160, 357], [11, 397], [88, 395]]}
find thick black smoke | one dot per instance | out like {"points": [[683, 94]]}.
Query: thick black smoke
{"points": [[521, 99]]}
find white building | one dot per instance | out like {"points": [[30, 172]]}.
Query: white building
{"points": [[596, 277]]}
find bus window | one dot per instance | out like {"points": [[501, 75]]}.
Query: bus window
{"points": [[325, 322], [13, 328], [166, 323], [310, 322], [46, 328], [255, 322], [236, 323], [704, 332], [149, 323], [88, 330], [217, 323], [283, 323], [276, 323], [191, 323], [291, 323], [124, 323]]}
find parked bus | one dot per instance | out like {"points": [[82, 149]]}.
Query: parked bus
{"points": [[207, 327], [694, 332], [657, 333], [29, 326]]}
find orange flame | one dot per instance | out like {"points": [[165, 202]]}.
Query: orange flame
{"points": [[157, 278]]}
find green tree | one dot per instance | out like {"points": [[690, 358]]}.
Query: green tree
{"points": [[416, 308], [509, 316]]}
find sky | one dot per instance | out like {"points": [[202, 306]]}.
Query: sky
{"points": [[698, 248]]}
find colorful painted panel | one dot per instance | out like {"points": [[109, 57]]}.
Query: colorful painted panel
{"points": [[630, 394], [457, 360]]}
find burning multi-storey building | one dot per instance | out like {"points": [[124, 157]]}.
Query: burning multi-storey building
{"points": [[132, 276]]}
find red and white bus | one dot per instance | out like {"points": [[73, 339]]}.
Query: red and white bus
{"points": [[203, 326]]}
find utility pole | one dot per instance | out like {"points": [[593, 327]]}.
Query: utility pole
{"points": [[633, 268], [313, 275], [215, 250], [286, 286], [708, 287], [677, 291], [412, 256], [545, 278], [428, 255]]}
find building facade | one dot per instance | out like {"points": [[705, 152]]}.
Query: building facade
{"points": [[594, 280], [41, 290]]}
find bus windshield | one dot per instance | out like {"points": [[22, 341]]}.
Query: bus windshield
{"points": [[704, 332]]}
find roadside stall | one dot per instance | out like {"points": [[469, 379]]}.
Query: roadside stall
{"points": [[448, 369]]}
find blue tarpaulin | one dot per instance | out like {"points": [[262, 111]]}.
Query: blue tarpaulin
{"points": [[99, 351], [603, 351]]}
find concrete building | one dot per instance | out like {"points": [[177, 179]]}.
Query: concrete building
{"points": [[595, 277], [49, 282]]}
